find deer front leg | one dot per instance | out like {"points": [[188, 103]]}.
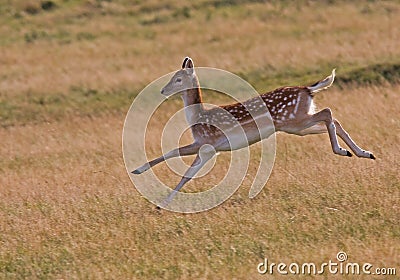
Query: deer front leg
{"points": [[201, 159], [349, 142], [182, 151]]}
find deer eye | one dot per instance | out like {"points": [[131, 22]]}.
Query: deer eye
{"points": [[178, 80]]}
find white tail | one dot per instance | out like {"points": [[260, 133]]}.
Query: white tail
{"points": [[291, 108], [323, 84]]}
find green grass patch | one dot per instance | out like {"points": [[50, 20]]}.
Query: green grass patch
{"points": [[376, 74], [347, 75], [79, 101]]}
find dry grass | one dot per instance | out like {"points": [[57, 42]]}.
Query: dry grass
{"points": [[118, 51], [67, 207]]}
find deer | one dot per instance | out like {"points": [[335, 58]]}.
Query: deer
{"points": [[291, 108]]}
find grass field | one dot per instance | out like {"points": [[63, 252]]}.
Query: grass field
{"points": [[68, 74]]}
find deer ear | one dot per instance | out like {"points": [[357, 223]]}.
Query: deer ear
{"points": [[184, 62], [189, 66], [189, 63]]}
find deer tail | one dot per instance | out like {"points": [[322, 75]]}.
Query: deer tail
{"points": [[323, 84]]}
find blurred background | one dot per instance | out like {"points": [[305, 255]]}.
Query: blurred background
{"points": [[70, 69]]}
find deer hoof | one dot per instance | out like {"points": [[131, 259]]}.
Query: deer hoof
{"points": [[371, 156]]}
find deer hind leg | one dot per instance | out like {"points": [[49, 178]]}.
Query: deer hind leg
{"points": [[315, 129], [349, 142], [201, 159], [321, 128], [311, 124], [182, 151]]}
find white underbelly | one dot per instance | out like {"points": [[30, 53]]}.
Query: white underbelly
{"points": [[238, 138]]}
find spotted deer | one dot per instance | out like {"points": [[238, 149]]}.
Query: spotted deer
{"points": [[291, 108]]}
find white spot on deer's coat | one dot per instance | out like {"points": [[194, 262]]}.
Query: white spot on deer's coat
{"points": [[297, 104]]}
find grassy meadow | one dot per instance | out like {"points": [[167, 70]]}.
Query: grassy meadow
{"points": [[69, 70]]}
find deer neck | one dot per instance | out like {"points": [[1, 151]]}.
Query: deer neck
{"points": [[193, 103]]}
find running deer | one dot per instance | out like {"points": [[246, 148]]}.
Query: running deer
{"points": [[292, 110]]}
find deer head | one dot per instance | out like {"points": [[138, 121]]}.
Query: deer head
{"points": [[182, 80]]}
